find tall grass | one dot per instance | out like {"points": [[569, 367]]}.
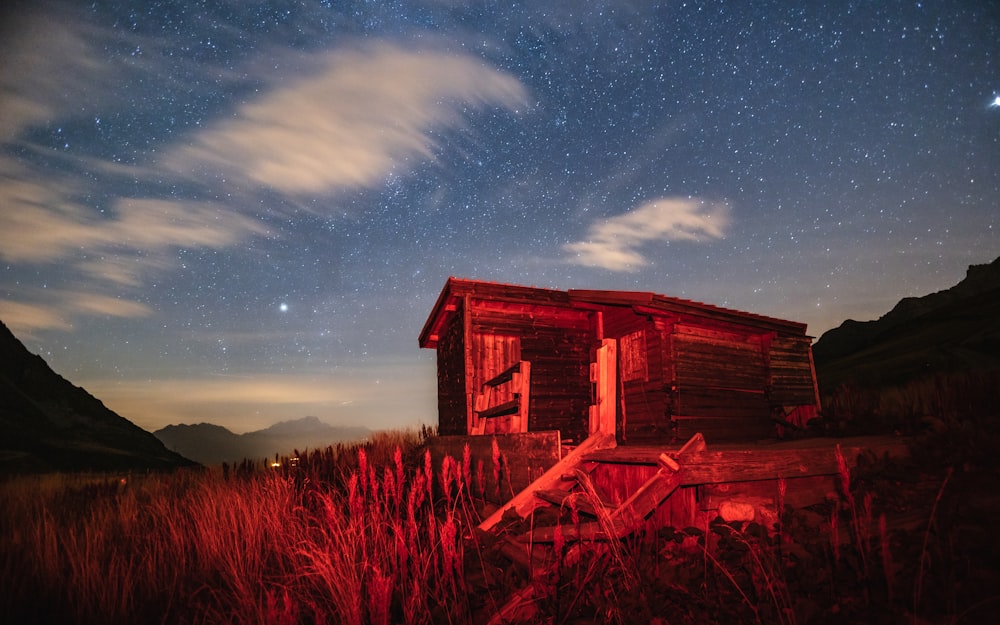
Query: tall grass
{"points": [[377, 534], [376, 545]]}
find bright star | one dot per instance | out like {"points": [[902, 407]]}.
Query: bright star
{"points": [[995, 103], [283, 307]]}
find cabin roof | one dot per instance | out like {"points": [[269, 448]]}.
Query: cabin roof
{"points": [[644, 302]]}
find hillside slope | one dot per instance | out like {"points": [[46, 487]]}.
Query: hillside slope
{"points": [[51, 425]]}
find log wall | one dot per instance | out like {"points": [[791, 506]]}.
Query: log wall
{"points": [[452, 401], [790, 367], [557, 342]]}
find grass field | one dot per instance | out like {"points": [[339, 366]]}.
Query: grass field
{"points": [[375, 534]]}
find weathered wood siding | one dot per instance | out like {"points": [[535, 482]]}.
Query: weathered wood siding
{"points": [[452, 403], [792, 382], [557, 343], [719, 383]]}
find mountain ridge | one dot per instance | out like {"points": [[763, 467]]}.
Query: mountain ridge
{"points": [[212, 444], [955, 329]]}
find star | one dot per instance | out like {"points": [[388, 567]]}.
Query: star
{"points": [[361, 175]]}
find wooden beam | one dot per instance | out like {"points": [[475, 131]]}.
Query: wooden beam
{"points": [[764, 462], [604, 375], [526, 501], [506, 408]]}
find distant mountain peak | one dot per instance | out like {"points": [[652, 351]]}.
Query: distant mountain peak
{"points": [[297, 425], [213, 444]]}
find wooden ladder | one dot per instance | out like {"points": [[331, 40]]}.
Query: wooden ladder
{"points": [[570, 477]]}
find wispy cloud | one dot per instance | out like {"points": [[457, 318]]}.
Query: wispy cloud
{"points": [[50, 67], [40, 224], [365, 112], [615, 243], [369, 111], [95, 304], [107, 253], [56, 308], [25, 319]]}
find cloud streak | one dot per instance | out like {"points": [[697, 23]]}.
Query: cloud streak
{"points": [[615, 243], [40, 225], [368, 112]]}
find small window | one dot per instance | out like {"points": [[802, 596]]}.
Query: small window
{"points": [[632, 351]]}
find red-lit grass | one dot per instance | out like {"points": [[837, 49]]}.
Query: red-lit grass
{"points": [[269, 546], [376, 534]]}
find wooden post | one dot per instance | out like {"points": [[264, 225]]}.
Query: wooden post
{"points": [[521, 383], [604, 375]]}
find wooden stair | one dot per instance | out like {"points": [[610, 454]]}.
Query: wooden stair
{"points": [[614, 522], [561, 474], [568, 483]]}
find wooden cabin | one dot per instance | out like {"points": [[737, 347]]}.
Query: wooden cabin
{"points": [[645, 367], [637, 410]]}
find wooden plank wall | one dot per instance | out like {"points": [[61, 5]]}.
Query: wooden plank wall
{"points": [[492, 354], [714, 359], [720, 383], [557, 343], [524, 458], [791, 371], [617, 482], [451, 379]]}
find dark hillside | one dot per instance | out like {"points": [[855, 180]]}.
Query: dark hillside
{"points": [[952, 331], [930, 360], [51, 425]]}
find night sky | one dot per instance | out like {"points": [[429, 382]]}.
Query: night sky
{"points": [[242, 212]]}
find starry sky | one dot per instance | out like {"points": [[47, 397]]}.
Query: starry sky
{"points": [[242, 212]]}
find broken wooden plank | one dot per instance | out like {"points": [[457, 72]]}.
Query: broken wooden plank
{"points": [[525, 501], [583, 532]]}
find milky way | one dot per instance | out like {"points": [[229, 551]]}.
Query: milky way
{"points": [[244, 212]]}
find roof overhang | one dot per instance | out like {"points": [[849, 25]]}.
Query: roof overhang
{"points": [[643, 302]]}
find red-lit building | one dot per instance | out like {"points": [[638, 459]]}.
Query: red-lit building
{"points": [[642, 411], [645, 367]]}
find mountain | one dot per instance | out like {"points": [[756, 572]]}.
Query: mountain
{"points": [[49, 424], [954, 330], [213, 444]]}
